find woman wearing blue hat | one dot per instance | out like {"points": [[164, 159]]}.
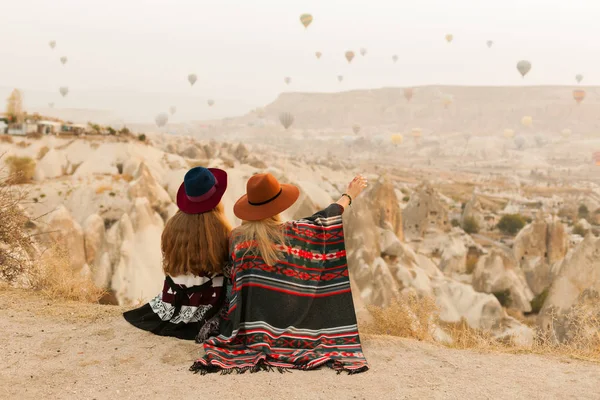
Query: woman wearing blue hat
{"points": [[194, 245]]}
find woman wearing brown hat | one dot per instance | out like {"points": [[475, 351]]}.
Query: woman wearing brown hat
{"points": [[195, 250], [291, 303]]}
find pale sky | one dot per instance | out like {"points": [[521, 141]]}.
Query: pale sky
{"points": [[241, 50]]}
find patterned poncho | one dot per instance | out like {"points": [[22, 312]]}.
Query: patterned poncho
{"points": [[187, 308], [297, 314]]}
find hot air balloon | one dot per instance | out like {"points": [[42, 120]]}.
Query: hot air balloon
{"points": [[287, 80], [63, 90], [596, 158], [539, 140], [318, 54], [51, 105], [63, 60], [565, 133], [408, 93], [306, 19], [449, 38], [52, 44], [489, 43], [447, 100], [286, 119], [527, 121], [509, 133], [356, 129], [210, 102], [260, 113], [578, 95], [416, 133], [340, 78], [395, 58], [363, 51], [192, 78], [519, 142], [349, 56], [172, 110], [523, 67], [161, 119], [578, 78], [397, 139]]}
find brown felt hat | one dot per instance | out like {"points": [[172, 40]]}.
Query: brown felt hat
{"points": [[265, 197]]}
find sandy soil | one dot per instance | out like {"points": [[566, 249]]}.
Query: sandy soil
{"points": [[72, 351]]}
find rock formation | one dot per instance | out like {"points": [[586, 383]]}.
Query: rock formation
{"points": [[538, 247], [425, 210], [497, 272], [577, 280]]}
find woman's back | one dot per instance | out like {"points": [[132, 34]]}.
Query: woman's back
{"points": [[298, 311]]}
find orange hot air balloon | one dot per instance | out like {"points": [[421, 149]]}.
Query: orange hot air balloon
{"points": [[318, 54], [349, 56], [408, 93], [578, 95]]}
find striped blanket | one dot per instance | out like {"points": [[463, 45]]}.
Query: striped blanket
{"points": [[297, 314]]}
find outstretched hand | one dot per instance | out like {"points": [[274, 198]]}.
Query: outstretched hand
{"points": [[358, 184]]}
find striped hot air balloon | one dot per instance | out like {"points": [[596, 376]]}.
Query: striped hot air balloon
{"points": [[578, 95], [286, 119], [306, 19]]}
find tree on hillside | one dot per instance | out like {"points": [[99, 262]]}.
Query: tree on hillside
{"points": [[14, 106]]}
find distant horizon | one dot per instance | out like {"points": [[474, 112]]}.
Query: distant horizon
{"points": [[239, 113]]}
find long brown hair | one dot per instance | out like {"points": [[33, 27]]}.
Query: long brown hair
{"points": [[266, 233], [196, 243]]}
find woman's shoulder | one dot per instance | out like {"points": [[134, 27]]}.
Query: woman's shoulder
{"points": [[324, 216]]}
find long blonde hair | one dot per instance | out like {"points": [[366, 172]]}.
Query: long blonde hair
{"points": [[196, 243], [264, 235]]}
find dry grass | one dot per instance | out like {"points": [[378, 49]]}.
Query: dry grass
{"points": [[23, 144], [410, 317], [43, 151], [55, 279], [103, 188], [415, 318], [21, 169], [22, 265], [15, 242], [6, 139]]}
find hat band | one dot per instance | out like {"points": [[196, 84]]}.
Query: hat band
{"points": [[205, 196], [262, 203]]}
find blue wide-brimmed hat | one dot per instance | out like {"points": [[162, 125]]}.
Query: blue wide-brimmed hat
{"points": [[201, 190]]}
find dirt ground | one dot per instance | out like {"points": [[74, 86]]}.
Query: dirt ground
{"points": [[76, 351]]}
